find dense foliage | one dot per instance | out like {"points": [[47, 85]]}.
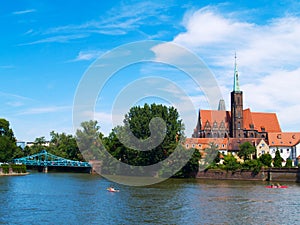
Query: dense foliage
{"points": [[138, 121], [277, 160], [246, 150], [8, 147]]}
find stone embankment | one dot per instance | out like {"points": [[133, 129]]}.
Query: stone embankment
{"points": [[271, 174]]}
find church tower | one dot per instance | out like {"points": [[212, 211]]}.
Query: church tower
{"points": [[236, 128]]}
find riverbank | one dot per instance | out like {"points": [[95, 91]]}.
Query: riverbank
{"points": [[270, 174], [13, 174]]}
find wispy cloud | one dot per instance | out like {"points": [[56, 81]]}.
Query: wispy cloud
{"points": [[6, 66], [57, 39], [24, 12], [119, 20], [15, 96], [44, 110]]}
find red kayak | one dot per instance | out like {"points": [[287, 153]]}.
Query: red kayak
{"points": [[274, 186]]}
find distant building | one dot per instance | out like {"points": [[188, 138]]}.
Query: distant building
{"points": [[237, 126]]}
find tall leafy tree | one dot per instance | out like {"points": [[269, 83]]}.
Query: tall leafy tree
{"points": [[38, 145], [246, 150], [8, 147], [161, 128], [266, 160], [89, 140], [138, 121], [277, 162], [65, 146]]}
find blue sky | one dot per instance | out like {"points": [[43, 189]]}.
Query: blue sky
{"points": [[47, 46]]}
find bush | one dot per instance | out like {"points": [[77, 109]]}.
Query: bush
{"points": [[230, 163], [289, 163], [5, 168], [253, 165], [15, 168], [277, 162], [266, 160]]}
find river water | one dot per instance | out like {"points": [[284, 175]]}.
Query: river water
{"points": [[68, 198]]}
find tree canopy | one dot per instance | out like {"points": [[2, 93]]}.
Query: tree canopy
{"points": [[8, 147], [246, 150]]}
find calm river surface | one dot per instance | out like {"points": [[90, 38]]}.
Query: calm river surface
{"points": [[68, 198]]}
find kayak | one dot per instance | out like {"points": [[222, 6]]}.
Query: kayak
{"points": [[112, 190], [281, 186]]}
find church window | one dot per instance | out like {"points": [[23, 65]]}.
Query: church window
{"points": [[193, 146], [199, 145], [187, 145], [239, 125]]}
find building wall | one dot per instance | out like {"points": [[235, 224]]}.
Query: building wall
{"points": [[262, 148], [285, 151]]}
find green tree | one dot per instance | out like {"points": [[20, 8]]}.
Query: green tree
{"points": [[149, 135], [230, 163], [138, 121], [8, 147], [246, 150], [266, 160], [210, 154], [38, 145], [289, 163], [89, 140], [277, 162], [254, 165], [191, 168], [65, 146]]}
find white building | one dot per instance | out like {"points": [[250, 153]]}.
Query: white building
{"points": [[288, 144]]}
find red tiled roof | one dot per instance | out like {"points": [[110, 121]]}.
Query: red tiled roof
{"points": [[284, 138], [215, 115], [260, 120]]}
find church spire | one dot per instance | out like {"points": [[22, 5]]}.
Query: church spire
{"points": [[236, 86]]}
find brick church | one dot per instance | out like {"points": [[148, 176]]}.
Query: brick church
{"points": [[229, 129]]}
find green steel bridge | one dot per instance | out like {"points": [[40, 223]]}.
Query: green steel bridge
{"points": [[45, 159]]}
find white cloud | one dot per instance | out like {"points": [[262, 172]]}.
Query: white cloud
{"points": [[268, 58], [87, 55]]}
